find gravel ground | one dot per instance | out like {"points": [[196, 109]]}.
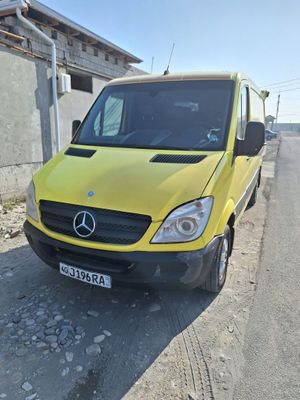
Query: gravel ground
{"points": [[61, 339]]}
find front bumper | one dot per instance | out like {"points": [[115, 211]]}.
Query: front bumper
{"points": [[174, 269]]}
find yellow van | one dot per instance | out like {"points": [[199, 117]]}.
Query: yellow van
{"points": [[152, 186]]}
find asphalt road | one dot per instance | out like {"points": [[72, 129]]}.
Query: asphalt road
{"points": [[272, 341]]}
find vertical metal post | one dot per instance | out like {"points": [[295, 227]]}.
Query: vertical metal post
{"points": [[278, 102], [53, 67]]}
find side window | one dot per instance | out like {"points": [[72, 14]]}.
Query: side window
{"points": [[242, 118], [112, 116], [257, 110]]}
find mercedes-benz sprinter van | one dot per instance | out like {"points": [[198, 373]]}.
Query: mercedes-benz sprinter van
{"points": [[152, 186]]}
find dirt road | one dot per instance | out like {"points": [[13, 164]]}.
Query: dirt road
{"points": [[272, 358], [61, 339]]}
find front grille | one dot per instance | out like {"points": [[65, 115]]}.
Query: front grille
{"points": [[113, 227]]}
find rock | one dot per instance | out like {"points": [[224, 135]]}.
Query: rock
{"points": [[63, 335], [30, 322], [6, 236], [16, 319], [252, 282], [230, 329], [93, 350], [154, 307], [58, 317], [79, 330], [99, 338], [31, 397], [77, 337], [21, 351], [65, 371], [51, 338], [15, 233], [33, 338], [40, 345], [40, 334], [51, 323], [50, 331], [69, 356], [222, 358], [92, 313], [106, 333], [27, 386], [54, 345], [79, 368], [41, 319], [16, 377], [3, 395]]}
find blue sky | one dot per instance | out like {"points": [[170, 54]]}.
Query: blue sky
{"points": [[259, 37]]}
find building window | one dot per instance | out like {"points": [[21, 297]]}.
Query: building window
{"points": [[83, 47], [81, 82], [54, 34], [96, 52], [106, 57], [70, 41], [116, 61]]}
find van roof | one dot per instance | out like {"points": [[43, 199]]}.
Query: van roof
{"points": [[181, 76]]}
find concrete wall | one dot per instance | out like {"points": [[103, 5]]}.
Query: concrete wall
{"points": [[287, 127], [22, 96]]}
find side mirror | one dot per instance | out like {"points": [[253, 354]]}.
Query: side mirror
{"points": [[75, 126], [254, 139]]}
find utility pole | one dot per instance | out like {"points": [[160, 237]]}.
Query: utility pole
{"points": [[278, 102]]}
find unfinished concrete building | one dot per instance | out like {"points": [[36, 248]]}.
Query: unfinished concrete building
{"points": [[84, 63]]}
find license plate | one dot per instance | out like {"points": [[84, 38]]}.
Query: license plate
{"points": [[94, 278]]}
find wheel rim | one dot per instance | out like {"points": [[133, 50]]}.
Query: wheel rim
{"points": [[223, 260]]}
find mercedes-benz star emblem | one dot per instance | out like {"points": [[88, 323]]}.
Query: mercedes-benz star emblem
{"points": [[84, 224]]}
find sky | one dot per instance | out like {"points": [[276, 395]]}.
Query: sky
{"points": [[258, 37]]}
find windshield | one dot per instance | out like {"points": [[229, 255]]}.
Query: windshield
{"points": [[187, 115]]}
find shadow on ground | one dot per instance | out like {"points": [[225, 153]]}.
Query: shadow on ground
{"points": [[142, 322]]}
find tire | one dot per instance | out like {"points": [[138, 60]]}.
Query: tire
{"points": [[217, 275], [253, 197]]}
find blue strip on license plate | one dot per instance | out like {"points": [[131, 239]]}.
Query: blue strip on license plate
{"points": [[94, 278]]}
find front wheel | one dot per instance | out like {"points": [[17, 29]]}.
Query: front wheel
{"points": [[216, 278]]}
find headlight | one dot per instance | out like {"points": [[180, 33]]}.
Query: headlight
{"points": [[186, 223], [31, 209]]}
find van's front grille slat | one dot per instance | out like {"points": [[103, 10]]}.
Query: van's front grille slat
{"points": [[113, 227]]}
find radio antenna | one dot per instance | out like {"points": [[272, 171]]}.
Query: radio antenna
{"points": [[167, 70]]}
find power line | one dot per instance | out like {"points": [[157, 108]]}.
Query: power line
{"points": [[284, 90], [281, 82]]}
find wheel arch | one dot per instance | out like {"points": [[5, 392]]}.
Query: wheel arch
{"points": [[228, 218]]}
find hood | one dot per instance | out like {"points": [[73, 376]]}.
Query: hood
{"points": [[125, 180]]}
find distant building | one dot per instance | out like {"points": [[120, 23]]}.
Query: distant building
{"points": [[287, 127], [26, 112], [269, 121]]}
